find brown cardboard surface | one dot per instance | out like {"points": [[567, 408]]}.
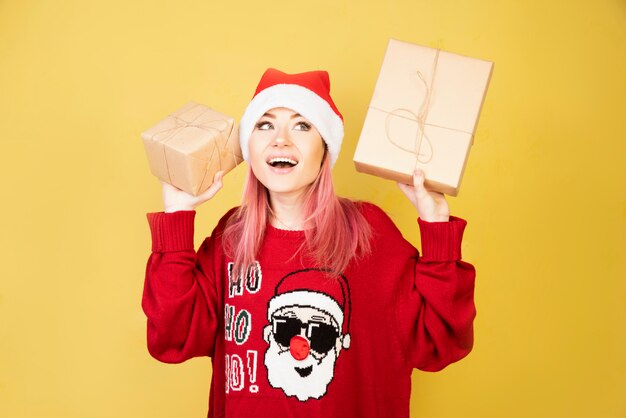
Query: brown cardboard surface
{"points": [[189, 146], [423, 114]]}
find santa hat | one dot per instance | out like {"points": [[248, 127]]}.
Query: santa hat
{"points": [[316, 288], [305, 93]]}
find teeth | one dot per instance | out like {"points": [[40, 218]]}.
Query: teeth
{"points": [[282, 160]]}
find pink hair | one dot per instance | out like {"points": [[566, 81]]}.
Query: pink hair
{"points": [[337, 233]]}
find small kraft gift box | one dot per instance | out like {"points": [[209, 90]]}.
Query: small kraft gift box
{"points": [[423, 114], [189, 146]]}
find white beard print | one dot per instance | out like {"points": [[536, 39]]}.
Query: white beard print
{"points": [[311, 382]]}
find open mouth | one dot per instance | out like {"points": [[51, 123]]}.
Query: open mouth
{"points": [[304, 371], [282, 162]]}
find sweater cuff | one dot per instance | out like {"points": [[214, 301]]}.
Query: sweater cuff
{"points": [[171, 231], [441, 241]]}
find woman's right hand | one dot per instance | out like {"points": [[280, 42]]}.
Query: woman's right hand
{"points": [[175, 199]]}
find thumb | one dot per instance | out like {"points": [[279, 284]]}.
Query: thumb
{"points": [[214, 188], [418, 182]]}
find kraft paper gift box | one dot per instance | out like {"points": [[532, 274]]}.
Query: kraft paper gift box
{"points": [[423, 114], [189, 146]]}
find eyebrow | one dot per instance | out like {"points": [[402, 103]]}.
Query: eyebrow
{"points": [[269, 115]]}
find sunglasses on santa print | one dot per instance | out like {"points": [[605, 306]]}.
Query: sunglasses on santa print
{"points": [[321, 336]]}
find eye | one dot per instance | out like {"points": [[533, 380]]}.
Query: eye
{"points": [[322, 336], [264, 125], [302, 126], [285, 329]]}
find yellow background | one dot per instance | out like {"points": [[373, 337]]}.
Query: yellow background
{"points": [[543, 190]]}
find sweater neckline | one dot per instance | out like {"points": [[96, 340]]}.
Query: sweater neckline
{"points": [[272, 231]]}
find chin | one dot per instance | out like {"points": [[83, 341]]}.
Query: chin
{"points": [[285, 187]]}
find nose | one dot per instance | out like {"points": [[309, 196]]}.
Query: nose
{"points": [[280, 141], [299, 347], [282, 137]]}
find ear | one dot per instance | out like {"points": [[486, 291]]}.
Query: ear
{"points": [[267, 331]]}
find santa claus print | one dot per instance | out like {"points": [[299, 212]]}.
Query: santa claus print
{"points": [[309, 318]]}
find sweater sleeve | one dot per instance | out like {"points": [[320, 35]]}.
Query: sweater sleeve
{"points": [[179, 297], [437, 310]]}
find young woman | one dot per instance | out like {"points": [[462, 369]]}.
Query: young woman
{"points": [[308, 304]]}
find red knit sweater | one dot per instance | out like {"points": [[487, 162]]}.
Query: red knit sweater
{"points": [[288, 341]]}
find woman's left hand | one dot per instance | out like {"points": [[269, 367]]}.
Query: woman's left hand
{"points": [[431, 206]]}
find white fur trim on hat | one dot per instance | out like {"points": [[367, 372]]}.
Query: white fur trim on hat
{"points": [[301, 100], [306, 298]]}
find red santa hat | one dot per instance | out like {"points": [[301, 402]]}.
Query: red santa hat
{"points": [[305, 93], [315, 288]]}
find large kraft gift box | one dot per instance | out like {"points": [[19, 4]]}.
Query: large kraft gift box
{"points": [[423, 114], [189, 146]]}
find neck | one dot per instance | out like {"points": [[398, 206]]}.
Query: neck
{"points": [[287, 211]]}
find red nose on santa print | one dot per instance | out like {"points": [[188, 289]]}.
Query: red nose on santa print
{"points": [[299, 348]]}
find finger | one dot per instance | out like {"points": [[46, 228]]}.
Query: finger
{"points": [[218, 177], [217, 181], [409, 191], [405, 188], [418, 182], [214, 188]]}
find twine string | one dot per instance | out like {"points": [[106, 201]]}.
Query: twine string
{"points": [[215, 127], [421, 139]]}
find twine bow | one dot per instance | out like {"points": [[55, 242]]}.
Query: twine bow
{"points": [[213, 126], [421, 139]]}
